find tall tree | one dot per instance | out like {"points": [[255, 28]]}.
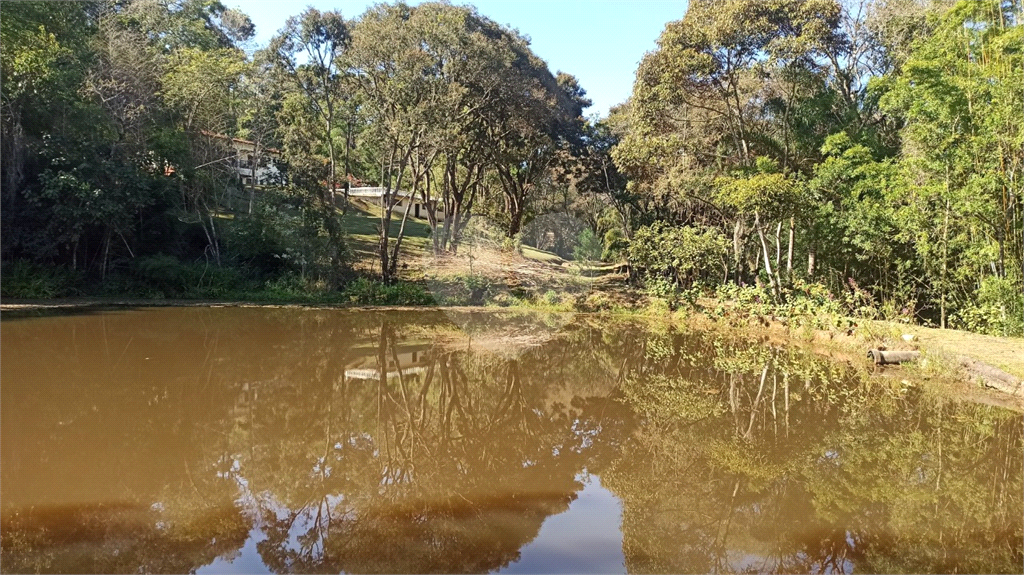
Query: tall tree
{"points": [[959, 94], [309, 49]]}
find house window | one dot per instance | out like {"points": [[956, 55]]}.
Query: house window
{"points": [[246, 181]]}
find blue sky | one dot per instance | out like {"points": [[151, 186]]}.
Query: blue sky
{"points": [[598, 41]]}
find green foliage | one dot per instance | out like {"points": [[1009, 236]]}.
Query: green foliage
{"points": [[551, 297], [894, 169], [802, 303], [28, 280], [163, 275], [615, 246], [962, 149], [755, 141], [364, 291], [770, 195], [588, 246], [278, 238], [999, 309], [679, 256]]}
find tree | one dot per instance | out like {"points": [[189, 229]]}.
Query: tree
{"points": [[400, 91], [261, 96], [767, 196], [442, 88], [962, 150], [309, 51]]}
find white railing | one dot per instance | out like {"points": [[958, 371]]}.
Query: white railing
{"points": [[372, 192], [375, 374]]}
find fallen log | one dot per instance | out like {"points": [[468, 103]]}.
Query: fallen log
{"points": [[992, 376], [881, 357]]}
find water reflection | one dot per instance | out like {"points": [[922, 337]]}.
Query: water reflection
{"points": [[329, 441]]}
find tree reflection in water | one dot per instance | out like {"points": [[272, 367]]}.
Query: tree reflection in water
{"points": [[159, 440]]}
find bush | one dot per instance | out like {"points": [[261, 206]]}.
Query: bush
{"points": [[365, 291], [22, 279], [551, 297], [595, 302], [162, 275], [999, 309], [615, 245], [681, 256], [277, 238], [588, 247]]}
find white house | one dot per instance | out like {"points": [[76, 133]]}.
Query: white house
{"points": [[406, 201], [412, 362], [244, 157]]}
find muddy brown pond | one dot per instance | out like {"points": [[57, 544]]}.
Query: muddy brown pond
{"points": [[220, 440]]}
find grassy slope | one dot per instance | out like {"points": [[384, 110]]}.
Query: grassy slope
{"points": [[363, 220], [1006, 353]]}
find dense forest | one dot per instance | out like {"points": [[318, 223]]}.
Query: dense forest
{"points": [[868, 151]]}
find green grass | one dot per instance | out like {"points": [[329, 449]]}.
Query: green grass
{"points": [[361, 223], [532, 253]]}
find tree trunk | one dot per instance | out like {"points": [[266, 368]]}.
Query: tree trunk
{"points": [[767, 259], [945, 264], [106, 256], [348, 170], [515, 215], [789, 256], [252, 180], [778, 245], [334, 178], [393, 272], [388, 199], [737, 232]]}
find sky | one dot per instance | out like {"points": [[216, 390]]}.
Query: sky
{"points": [[601, 42]]}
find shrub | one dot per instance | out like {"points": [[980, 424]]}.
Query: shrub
{"points": [[595, 302], [998, 310], [551, 297], [22, 279], [588, 247], [276, 238], [681, 256], [162, 275], [364, 291], [615, 245]]}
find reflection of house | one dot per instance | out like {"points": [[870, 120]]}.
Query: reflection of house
{"points": [[365, 363], [245, 155], [406, 201]]}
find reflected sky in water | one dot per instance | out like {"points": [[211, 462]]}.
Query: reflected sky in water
{"points": [[586, 538]]}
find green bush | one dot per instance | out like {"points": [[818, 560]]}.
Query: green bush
{"points": [[615, 245], [277, 237], [999, 309], [365, 291], [681, 256], [588, 247], [22, 279], [162, 275], [595, 302], [551, 297]]}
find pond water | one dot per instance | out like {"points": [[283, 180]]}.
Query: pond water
{"points": [[221, 440]]}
